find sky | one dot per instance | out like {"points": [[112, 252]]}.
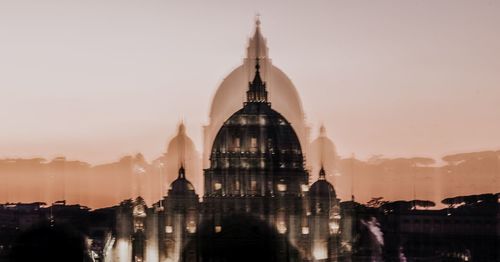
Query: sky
{"points": [[96, 80]]}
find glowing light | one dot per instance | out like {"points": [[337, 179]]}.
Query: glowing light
{"points": [[217, 186], [262, 121], [305, 230], [218, 229], [243, 120], [138, 226], [152, 251], [253, 143], [304, 188], [191, 227], [124, 251], [346, 245], [139, 211], [281, 227], [320, 251], [281, 187], [334, 227], [253, 185], [169, 229]]}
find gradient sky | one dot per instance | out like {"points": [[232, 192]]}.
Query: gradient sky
{"points": [[94, 80]]}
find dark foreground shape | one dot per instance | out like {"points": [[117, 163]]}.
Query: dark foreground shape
{"points": [[241, 238], [46, 242]]}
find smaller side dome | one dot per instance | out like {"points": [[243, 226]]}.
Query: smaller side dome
{"points": [[323, 153], [181, 186], [322, 188], [180, 144]]}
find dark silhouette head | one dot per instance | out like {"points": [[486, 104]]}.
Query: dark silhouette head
{"points": [[46, 242], [240, 238]]}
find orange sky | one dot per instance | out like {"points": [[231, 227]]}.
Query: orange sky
{"points": [[95, 80]]}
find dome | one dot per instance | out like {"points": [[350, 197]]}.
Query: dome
{"points": [[322, 153], [230, 94], [322, 188], [257, 143], [259, 129], [286, 99], [181, 186], [180, 144], [182, 150]]}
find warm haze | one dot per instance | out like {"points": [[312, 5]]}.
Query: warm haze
{"points": [[98, 81], [94, 80]]}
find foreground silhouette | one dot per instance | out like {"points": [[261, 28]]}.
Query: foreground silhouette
{"points": [[50, 242], [241, 238]]}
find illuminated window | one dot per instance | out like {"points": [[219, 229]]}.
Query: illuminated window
{"points": [[237, 142], [138, 225], [237, 185], [191, 227], [281, 187], [253, 143], [262, 121], [217, 186], [218, 229], [281, 227], [334, 227], [304, 188], [318, 207], [243, 120], [169, 229], [305, 230], [253, 185], [139, 211], [320, 250]]}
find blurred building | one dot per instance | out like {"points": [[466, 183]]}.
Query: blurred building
{"points": [[231, 93], [256, 167]]}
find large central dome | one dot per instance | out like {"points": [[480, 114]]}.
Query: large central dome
{"points": [[256, 152], [231, 94]]}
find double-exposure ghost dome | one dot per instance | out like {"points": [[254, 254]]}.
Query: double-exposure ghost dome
{"points": [[254, 172]]}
